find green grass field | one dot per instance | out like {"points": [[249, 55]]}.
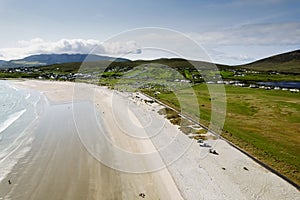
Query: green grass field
{"points": [[250, 77], [264, 123]]}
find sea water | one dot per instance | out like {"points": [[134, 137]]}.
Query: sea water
{"points": [[19, 114]]}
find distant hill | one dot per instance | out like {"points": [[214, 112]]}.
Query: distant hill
{"points": [[285, 63], [50, 59]]}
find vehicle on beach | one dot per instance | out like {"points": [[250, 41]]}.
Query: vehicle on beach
{"points": [[213, 151], [205, 144]]}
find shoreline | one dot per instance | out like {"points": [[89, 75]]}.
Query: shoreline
{"points": [[102, 182], [184, 176]]}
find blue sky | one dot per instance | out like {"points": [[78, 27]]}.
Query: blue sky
{"points": [[230, 32]]}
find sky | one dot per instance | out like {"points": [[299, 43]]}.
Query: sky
{"points": [[228, 32]]}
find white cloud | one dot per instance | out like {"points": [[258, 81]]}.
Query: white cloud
{"points": [[253, 34], [233, 45], [121, 48], [39, 46], [218, 56], [246, 43], [25, 43]]}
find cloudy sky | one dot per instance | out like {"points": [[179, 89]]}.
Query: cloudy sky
{"points": [[230, 32]]}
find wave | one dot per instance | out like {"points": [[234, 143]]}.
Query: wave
{"points": [[10, 156], [11, 119], [13, 87], [27, 96], [19, 113], [18, 148]]}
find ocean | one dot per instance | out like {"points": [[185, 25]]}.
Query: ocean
{"points": [[19, 114]]}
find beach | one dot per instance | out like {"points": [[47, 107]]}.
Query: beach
{"points": [[90, 142]]}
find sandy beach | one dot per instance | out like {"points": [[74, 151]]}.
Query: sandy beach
{"points": [[95, 143]]}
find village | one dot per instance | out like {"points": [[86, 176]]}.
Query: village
{"points": [[57, 74]]}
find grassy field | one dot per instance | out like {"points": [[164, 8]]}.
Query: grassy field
{"points": [[265, 77], [264, 123]]}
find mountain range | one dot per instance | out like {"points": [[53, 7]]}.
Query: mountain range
{"points": [[288, 62], [50, 59]]}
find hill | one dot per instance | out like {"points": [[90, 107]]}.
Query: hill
{"points": [[284, 63], [288, 63], [50, 59]]}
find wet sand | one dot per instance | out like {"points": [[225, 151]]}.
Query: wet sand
{"points": [[59, 166]]}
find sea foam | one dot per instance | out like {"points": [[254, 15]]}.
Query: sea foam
{"points": [[11, 119], [27, 96]]}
